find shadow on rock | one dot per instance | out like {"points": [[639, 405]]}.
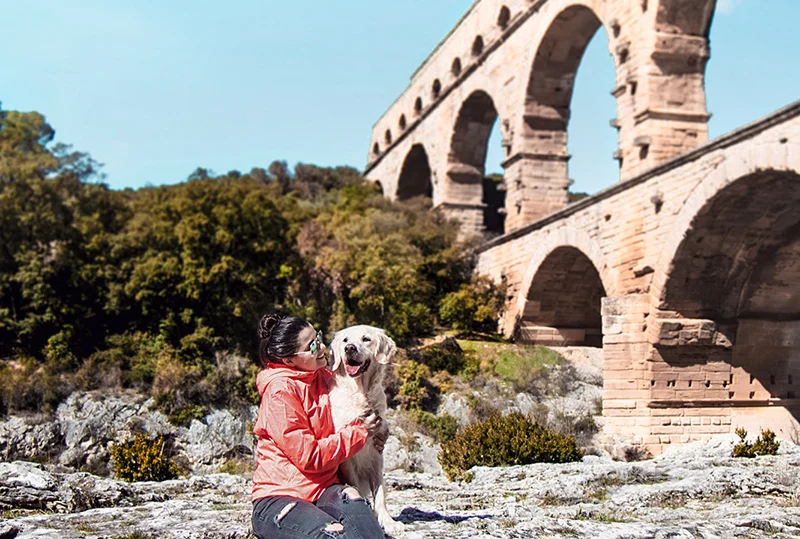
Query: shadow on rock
{"points": [[412, 514]]}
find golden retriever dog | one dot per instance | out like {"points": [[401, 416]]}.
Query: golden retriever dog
{"points": [[359, 356]]}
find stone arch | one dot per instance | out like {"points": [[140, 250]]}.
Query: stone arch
{"points": [[727, 287], [782, 159], [415, 175], [467, 159], [503, 17], [536, 170], [570, 237], [436, 89], [477, 46], [550, 82], [455, 67], [740, 225], [559, 298]]}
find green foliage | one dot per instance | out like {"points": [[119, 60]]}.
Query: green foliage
{"points": [[575, 197], [443, 356], [440, 427], [146, 289], [416, 391], [527, 368], [475, 306], [765, 444], [381, 263], [505, 441], [27, 384], [142, 459]]}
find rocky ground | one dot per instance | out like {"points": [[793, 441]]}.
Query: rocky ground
{"points": [[696, 492]]}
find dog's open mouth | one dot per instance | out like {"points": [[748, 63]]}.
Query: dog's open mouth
{"points": [[356, 369]]}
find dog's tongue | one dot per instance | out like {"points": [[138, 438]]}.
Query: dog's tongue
{"points": [[352, 370]]}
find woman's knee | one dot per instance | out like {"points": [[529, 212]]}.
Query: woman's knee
{"points": [[334, 527], [352, 493]]}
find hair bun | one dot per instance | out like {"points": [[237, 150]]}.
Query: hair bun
{"points": [[267, 324]]}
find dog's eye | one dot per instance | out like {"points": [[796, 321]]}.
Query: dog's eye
{"points": [[365, 338], [344, 340]]}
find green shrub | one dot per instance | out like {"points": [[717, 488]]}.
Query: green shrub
{"points": [[765, 444], [476, 306], [28, 385], [143, 459], [415, 391], [505, 441], [444, 356], [441, 427]]}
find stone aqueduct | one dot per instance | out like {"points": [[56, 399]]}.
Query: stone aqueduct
{"points": [[687, 272]]}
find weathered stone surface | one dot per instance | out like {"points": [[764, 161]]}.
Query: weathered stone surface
{"points": [[32, 438], [86, 424], [695, 491]]}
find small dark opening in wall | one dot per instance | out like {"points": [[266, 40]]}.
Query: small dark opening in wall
{"points": [[455, 69], [643, 151], [436, 89], [477, 46], [503, 17], [633, 87], [376, 149], [418, 105], [708, 383], [387, 137], [402, 122]]}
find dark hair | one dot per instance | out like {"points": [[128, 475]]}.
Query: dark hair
{"points": [[277, 335]]}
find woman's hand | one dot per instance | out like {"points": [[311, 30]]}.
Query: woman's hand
{"points": [[377, 427], [371, 420]]}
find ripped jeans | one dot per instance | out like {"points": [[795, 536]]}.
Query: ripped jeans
{"points": [[284, 517]]}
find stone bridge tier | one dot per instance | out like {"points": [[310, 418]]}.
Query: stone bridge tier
{"points": [[688, 276], [514, 62]]}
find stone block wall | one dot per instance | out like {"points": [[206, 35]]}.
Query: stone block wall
{"points": [[670, 378]]}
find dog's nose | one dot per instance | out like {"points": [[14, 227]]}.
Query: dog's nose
{"points": [[350, 348]]}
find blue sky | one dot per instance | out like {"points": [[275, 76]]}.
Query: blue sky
{"points": [[155, 89]]}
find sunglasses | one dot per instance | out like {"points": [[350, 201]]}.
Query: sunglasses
{"points": [[316, 344]]}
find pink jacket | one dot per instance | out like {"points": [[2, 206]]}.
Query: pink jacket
{"points": [[298, 452]]}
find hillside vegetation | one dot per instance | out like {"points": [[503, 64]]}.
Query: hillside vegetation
{"points": [[159, 289]]}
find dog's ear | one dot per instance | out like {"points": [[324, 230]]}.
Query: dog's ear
{"points": [[386, 349], [335, 361]]}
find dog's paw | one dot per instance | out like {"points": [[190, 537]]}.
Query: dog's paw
{"points": [[390, 526]]}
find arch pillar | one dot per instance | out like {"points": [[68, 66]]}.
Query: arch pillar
{"points": [[536, 186]]}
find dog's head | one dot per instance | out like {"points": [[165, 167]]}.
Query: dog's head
{"points": [[354, 349]]}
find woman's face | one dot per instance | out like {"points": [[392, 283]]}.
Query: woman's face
{"points": [[310, 354]]}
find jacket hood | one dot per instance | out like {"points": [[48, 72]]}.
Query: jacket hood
{"points": [[275, 371]]}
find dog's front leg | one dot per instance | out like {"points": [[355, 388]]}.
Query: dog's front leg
{"points": [[389, 525]]}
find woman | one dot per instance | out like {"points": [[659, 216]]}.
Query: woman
{"points": [[296, 492]]}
